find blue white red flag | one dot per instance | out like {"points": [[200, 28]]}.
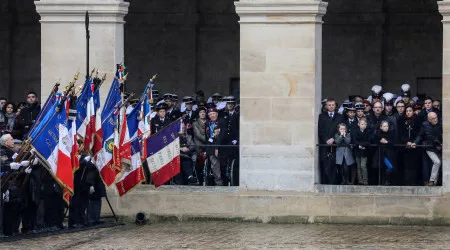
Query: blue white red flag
{"points": [[108, 159], [133, 173], [163, 157], [53, 147]]}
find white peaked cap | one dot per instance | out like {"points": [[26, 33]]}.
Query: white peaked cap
{"points": [[388, 96], [406, 87], [377, 89]]}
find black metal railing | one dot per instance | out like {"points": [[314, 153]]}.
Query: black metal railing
{"points": [[375, 154]]}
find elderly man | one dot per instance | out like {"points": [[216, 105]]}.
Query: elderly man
{"points": [[431, 135], [11, 194]]}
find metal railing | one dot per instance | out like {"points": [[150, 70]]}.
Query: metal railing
{"points": [[372, 151]]}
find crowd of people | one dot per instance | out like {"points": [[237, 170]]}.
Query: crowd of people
{"points": [[211, 133], [385, 139], [31, 197]]}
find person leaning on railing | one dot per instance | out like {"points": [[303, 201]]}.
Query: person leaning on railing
{"points": [[431, 135]]}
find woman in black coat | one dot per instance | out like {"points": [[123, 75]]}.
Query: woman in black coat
{"points": [[408, 129]]}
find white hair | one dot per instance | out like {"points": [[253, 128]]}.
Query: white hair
{"points": [[4, 138]]}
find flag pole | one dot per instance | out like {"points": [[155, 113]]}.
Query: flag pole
{"points": [[86, 23]]}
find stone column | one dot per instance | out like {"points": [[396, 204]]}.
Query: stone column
{"points": [[281, 78], [63, 39], [444, 8]]}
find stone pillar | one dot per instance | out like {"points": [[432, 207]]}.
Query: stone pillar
{"points": [[281, 78], [63, 39], [444, 8]]}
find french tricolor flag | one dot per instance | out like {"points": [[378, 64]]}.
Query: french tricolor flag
{"points": [[163, 151]]}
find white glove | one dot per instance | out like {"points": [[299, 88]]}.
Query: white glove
{"points": [[6, 196], [91, 190], [234, 142], [14, 165], [28, 170], [79, 157], [25, 163], [87, 158], [32, 151], [15, 156], [35, 162]]}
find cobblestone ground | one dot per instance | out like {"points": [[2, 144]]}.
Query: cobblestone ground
{"points": [[229, 235]]}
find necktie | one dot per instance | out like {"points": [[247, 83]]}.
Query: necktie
{"points": [[331, 115]]}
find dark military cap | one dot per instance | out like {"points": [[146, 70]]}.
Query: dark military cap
{"points": [[346, 104], [167, 96], [359, 106], [161, 106], [211, 108], [229, 99], [188, 99], [174, 97], [324, 101], [350, 107], [216, 96]]}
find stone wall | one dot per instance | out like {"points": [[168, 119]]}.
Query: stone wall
{"points": [[192, 45], [20, 43], [367, 43]]}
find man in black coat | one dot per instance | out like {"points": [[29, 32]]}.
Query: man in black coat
{"points": [[29, 114], [173, 112], [327, 126], [377, 117], [428, 108], [97, 191], [189, 116], [160, 120], [215, 135], [431, 135], [351, 121], [31, 193], [80, 199]]}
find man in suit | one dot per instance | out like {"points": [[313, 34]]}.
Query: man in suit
{"points": [[327, 126]]}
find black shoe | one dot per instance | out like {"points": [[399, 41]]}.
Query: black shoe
{"points": [[74, 226], [192, 180]]}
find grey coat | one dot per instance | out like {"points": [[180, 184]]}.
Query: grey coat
{"points": [[344, 150], [199, 135]]}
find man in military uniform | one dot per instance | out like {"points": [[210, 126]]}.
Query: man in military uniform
{"points": [[189, 116], [215, 133], [160, 120], [173, 113], [231, 117], [377, 94], [80, 199], [31, 193], [216, 98], [350, 119]]}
